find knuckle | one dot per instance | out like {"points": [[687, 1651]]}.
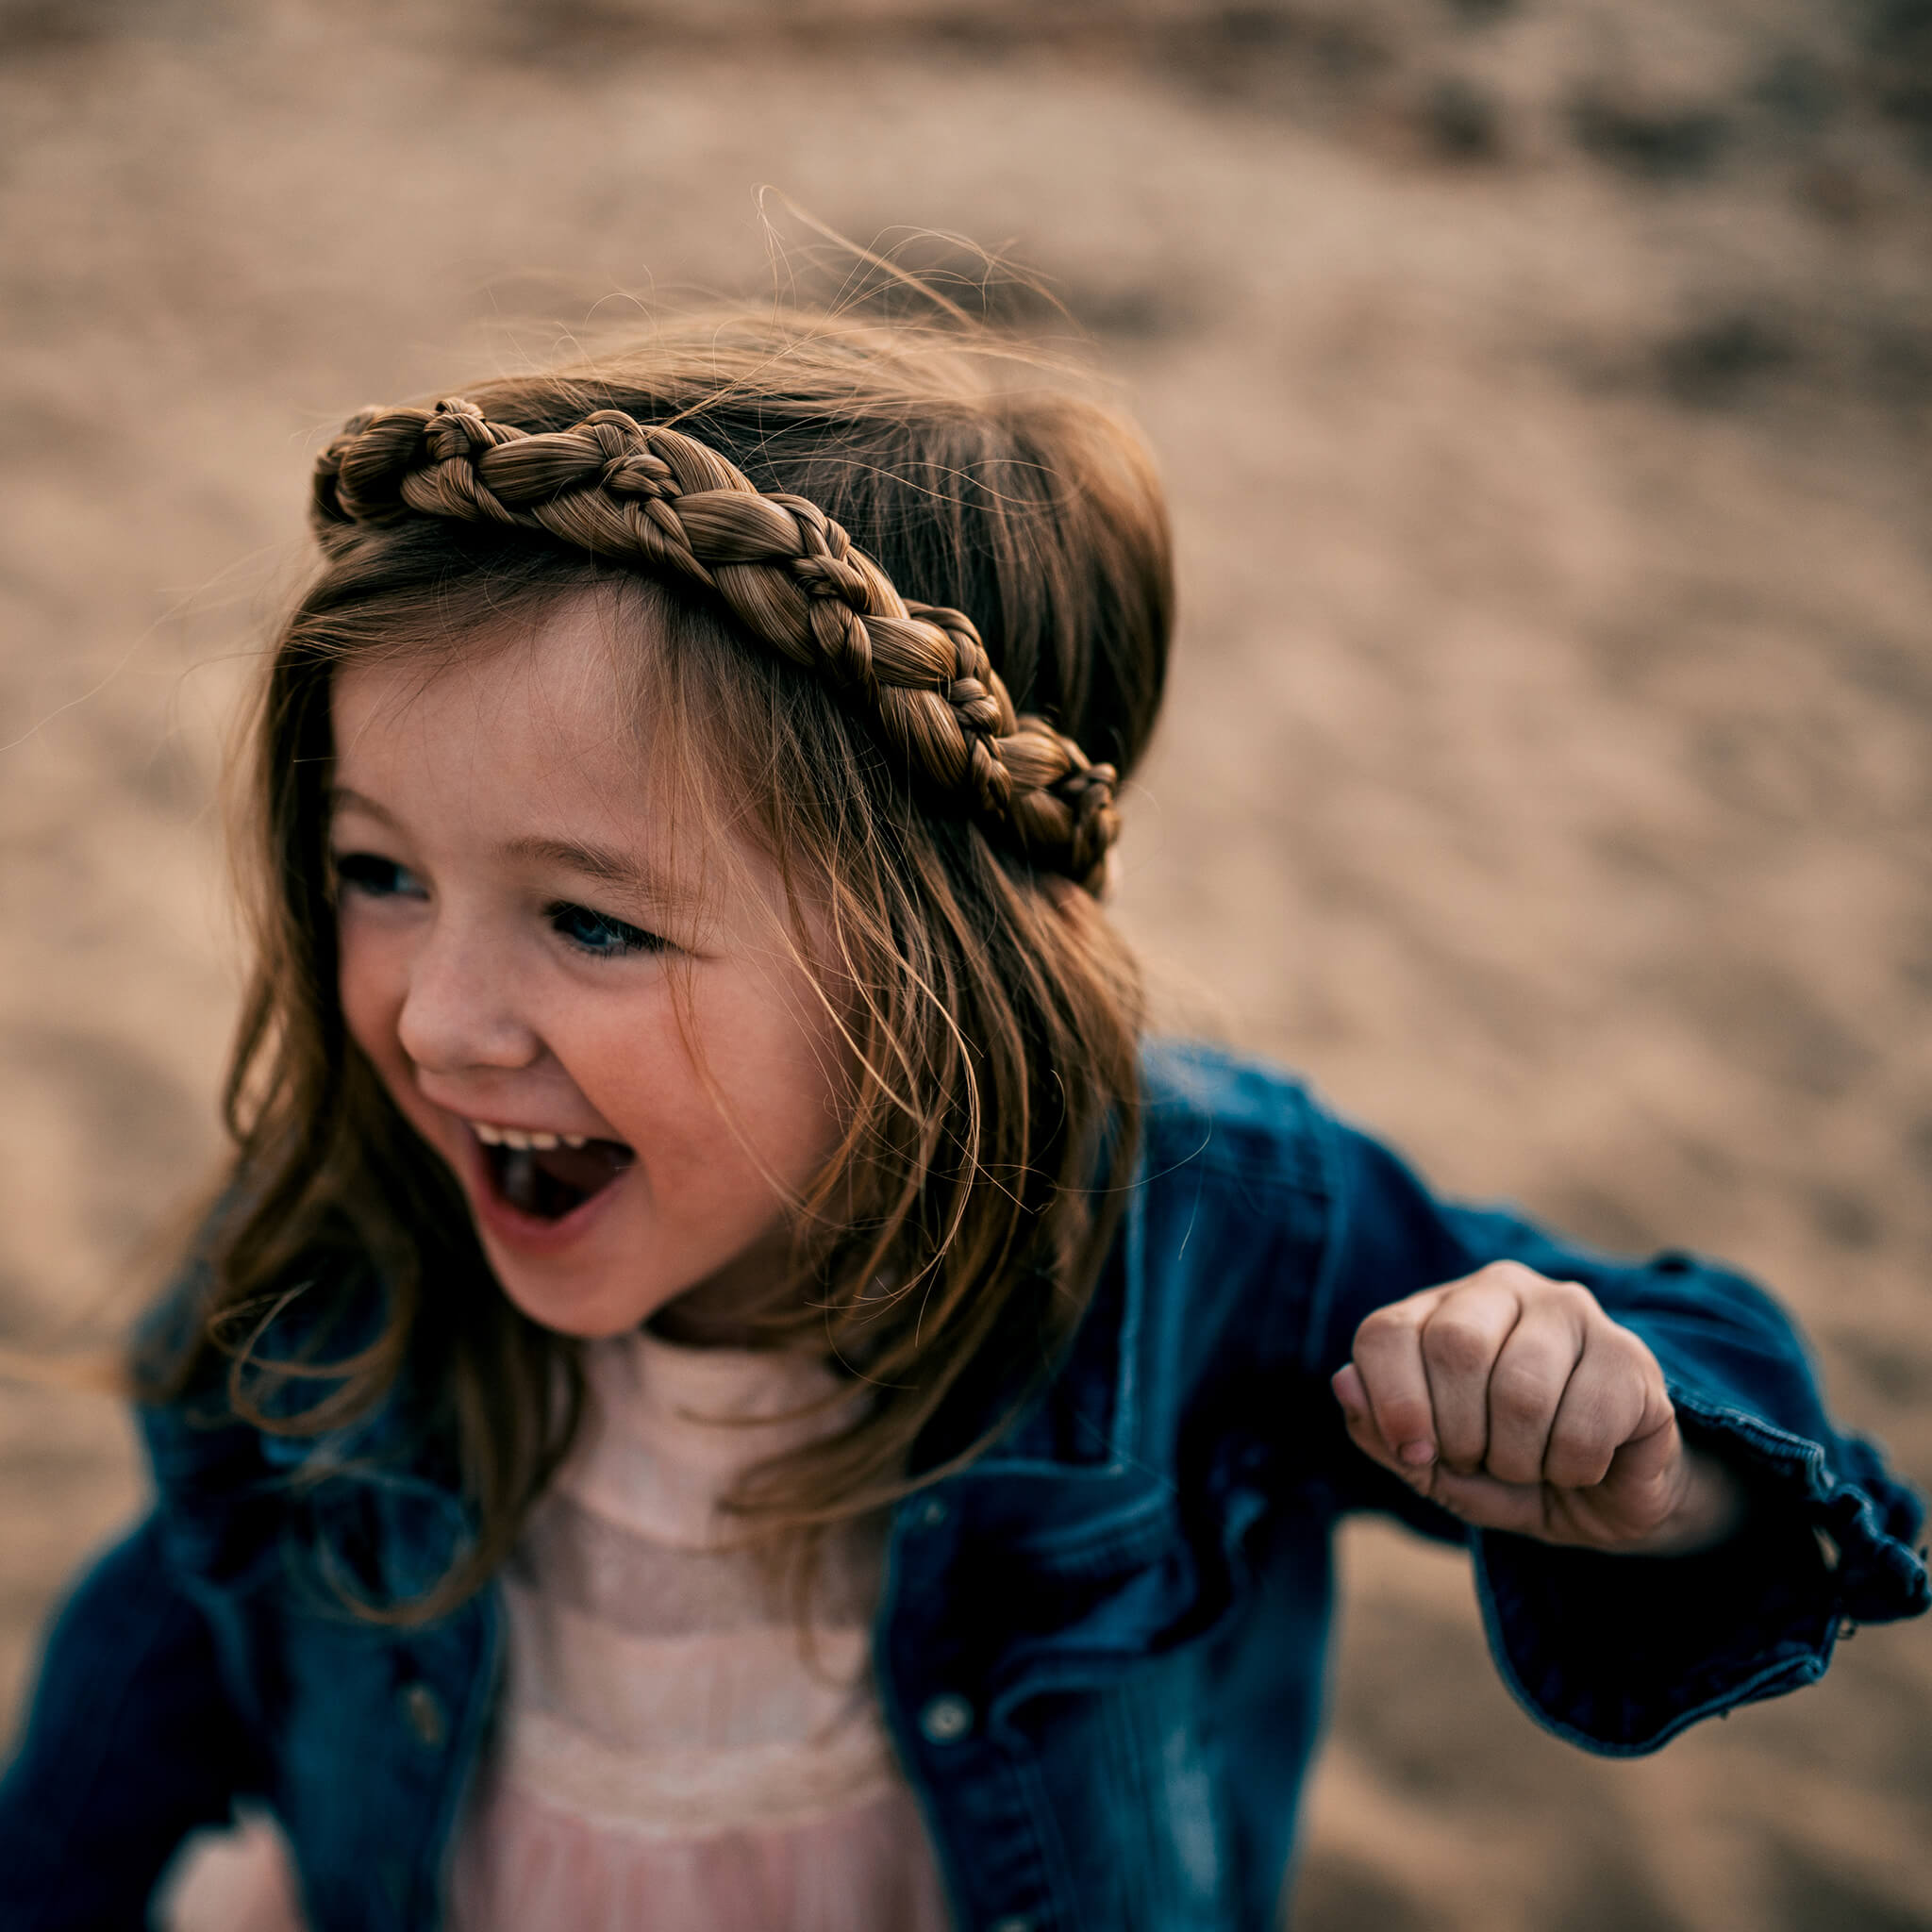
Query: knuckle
{"points": [[1382, 1329], [1633, 1352], [1377, 1322], [1617, 1370], [1455, 1341], [1574, 1295], [1518, 1276]]}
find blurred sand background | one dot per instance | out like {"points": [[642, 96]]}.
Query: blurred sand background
{"points": [[1545, 387]]}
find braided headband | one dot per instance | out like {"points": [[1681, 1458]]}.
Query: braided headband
{"points": [[651, 496]]}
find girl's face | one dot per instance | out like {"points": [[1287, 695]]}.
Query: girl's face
{"points": [[598, 1025]]}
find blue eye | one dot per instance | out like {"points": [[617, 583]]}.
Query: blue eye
{"points": [[376, 876], [598, 933]]}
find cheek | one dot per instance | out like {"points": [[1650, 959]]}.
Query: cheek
{"points": [[759, 1098], [368, 984], [776, 1064]]}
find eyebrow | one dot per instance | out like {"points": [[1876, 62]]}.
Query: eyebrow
{"points": [[598, 863], [342, 798]]}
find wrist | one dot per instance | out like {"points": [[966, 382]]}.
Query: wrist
{"points": [[1709, 1508]]}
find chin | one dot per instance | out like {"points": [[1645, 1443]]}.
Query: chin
{"points": [[580, 1312]]}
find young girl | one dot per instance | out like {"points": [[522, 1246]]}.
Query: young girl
{"points": [[728, 1385]]}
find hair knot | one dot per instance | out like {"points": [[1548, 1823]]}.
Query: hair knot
{"points": [[1088, 792], [457, 429], [639, 474], [975, 707], [833, 576]]}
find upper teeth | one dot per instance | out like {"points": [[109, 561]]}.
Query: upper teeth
{"points": [[525, 1136]]}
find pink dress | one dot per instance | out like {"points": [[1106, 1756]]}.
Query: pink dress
{"points": [[668, 1755]]}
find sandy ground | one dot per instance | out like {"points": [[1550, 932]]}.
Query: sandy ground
{"points": [[1545, 391]]}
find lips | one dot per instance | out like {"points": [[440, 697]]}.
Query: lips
{"points": [[548, 1183]]}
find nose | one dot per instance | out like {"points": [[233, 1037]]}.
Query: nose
{"points": [[460, 1008]]}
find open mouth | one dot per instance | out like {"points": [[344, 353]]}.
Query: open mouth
{"points": [[548, 1183]]}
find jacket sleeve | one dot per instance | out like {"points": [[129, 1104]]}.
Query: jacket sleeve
{"points": [[129, 1745], [1620, 1652]]}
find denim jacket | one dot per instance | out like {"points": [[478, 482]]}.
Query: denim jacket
{"points": [[1100, 1647]]}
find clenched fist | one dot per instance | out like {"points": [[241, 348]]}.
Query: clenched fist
{"points": [[1517, 1404]]}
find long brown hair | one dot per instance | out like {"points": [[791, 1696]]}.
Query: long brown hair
{"points": [[991, 1014]]}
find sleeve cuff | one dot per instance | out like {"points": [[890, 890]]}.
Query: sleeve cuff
{"points": [[1620, 1652]]}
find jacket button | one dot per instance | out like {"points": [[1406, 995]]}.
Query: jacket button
{"points": [[945, 1720], [424, 1715], [929, 1515], [1013, 1925]]}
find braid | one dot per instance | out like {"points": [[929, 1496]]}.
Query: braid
{"points": [[642, 495]]}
